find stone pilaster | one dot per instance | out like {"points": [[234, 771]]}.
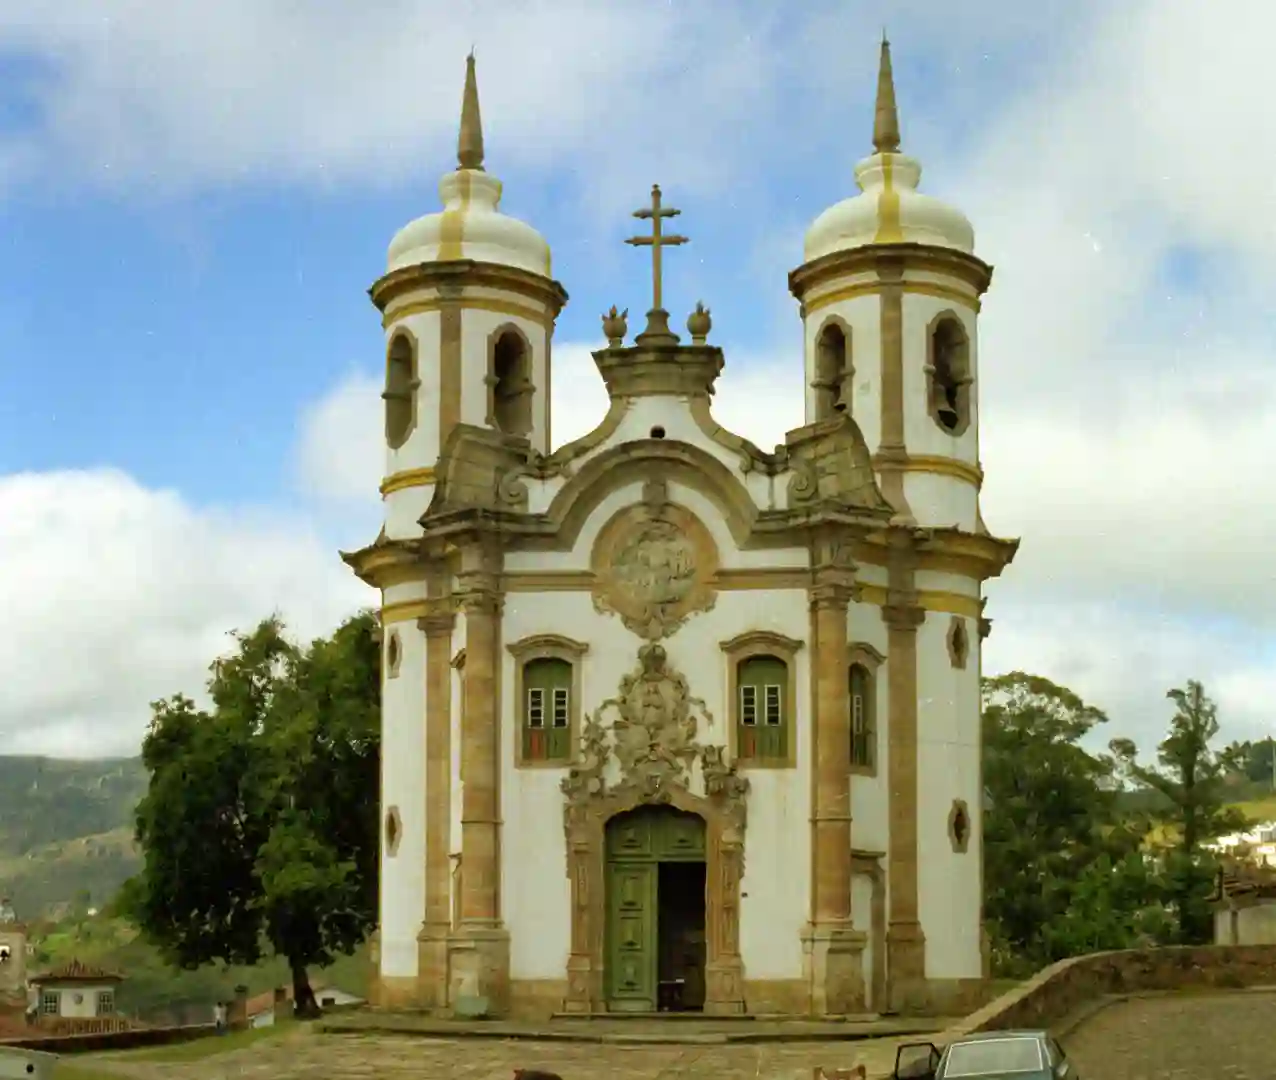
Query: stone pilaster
{"points": [[479, 948], [432, 941], [905, 940], [833, 949]]}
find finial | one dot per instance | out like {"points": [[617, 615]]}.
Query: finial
{"points": [[885, 115], [699, 324], [615, 326], [469, 146]]}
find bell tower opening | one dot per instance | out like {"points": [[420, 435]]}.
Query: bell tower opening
{"points": [[949, 375], [510, 382], [832, 372]]}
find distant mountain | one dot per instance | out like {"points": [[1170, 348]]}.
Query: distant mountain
{"points": [[66, 830]]}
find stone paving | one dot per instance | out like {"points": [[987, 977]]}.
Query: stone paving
{"points": [[1176, 1037]]}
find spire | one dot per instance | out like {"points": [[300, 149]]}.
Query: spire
{"points": [[886, 115], [469, 146]]}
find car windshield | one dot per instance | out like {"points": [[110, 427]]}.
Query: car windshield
{"points": [[992, 1057]]}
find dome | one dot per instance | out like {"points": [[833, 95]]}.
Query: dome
{"points": [[889, 210], [470, 225]]}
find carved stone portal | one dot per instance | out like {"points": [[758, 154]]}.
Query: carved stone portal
{"points": [[653, 564], [649, 756]]}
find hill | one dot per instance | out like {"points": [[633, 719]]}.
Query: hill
{"points": [[66, 830]]}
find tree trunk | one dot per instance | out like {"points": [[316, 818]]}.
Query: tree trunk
{"points": [[305, 1007]]}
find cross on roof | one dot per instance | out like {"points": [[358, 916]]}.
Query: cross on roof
{"points": [[657, 241]]}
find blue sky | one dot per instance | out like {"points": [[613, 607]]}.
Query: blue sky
{"points": [[193, 205]]}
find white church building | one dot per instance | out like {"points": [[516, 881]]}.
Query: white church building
{"points": [[671, 722]]}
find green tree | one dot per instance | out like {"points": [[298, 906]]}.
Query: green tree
{"points": [[1190, 775], [1052, 832], [259, 824]]}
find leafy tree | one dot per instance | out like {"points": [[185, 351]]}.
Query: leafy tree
{"points": [[1191, 776], [259, 823], [1052, 834]]}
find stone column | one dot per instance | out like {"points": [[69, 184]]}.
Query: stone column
{"points": [[432, 952], [833, 947], [905, 941], [480, 946]]}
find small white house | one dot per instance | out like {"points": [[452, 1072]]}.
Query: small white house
{"points": [[76, 991]]}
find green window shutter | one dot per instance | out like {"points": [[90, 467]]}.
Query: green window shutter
{"points": [[861, 706], [762, 728], [547, 687]]}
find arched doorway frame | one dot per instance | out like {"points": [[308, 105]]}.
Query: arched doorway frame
{"points": [[586, 828]]}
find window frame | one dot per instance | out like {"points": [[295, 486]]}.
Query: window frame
{"points": [[863, 655], [546, 647], [738, 650], [963, 373], [50, 1002], [396, 439]]}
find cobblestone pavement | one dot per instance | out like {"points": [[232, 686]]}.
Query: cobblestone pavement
{"points": [[1165, 1038], [1178, 1037]]}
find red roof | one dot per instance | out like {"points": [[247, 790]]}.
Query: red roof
{"points": [[76, 971]]}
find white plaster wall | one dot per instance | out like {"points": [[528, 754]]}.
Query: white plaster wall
{"points": [[870, 795], [403, 785], [949, 767], [534, 882], [864, 316], [476, 327], [1255, 925], [402, 510], [87, 1006], [921, 434], [940, 501]]}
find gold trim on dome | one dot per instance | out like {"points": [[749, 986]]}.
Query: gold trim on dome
{"points": [[829, 270], [451, 276], [871, 288], [539, 316], [653, 565], [407, 478]]}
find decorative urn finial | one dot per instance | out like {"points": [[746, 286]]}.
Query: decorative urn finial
{"points": [[615, 327], [699, 324]]}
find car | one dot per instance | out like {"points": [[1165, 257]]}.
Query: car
{"points": [[988, 1055]]}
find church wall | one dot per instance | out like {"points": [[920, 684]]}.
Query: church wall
{"points": [[534, 881], [950, 882], [862, 918], [863, 314], [477, 326], [454, 747], [403, 507], [921, 434], [940, 500], [403, 787]]}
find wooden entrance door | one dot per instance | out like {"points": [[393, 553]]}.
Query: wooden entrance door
{"points": [[637, 843]]}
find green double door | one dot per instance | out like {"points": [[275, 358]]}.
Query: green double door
{"points": [[638, 843]]}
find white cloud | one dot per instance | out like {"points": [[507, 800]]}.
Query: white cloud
{"points": [[114, 596]]}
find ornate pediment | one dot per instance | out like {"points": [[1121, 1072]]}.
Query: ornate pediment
{"points": [[652, 742], [831, 463], [653, 565], [482, 469]]}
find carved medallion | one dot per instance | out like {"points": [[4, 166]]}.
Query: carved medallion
{"points": [[652, 567]]}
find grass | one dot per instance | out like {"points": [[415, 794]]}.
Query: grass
{"points": [[1258, 809]]}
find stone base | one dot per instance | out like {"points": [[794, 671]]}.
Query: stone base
{"points": [[724, 987], [432, 963], [833, 958], [479, 971], [584, 985], [908, 991]]}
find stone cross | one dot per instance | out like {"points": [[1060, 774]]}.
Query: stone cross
{"points": [[657, 241]]}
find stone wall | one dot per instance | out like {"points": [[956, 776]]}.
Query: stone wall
{"points": [[111, 1040], [1062, 989]]}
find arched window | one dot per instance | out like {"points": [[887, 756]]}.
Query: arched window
{"points": [[510, 382], [401, 385], [863, 728], [547, 698], [832, 371], [948, 375]]}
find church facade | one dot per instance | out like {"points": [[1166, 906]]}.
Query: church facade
{"points": [[670, 721]]}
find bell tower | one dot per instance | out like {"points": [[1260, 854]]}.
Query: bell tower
{"points": [[890, 294], [468, 305]]}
